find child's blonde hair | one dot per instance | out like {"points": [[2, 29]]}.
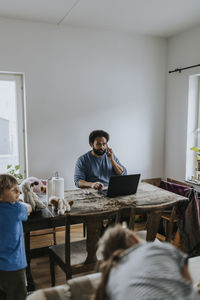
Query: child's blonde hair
{"points": [[112, 246], [6, 182]]}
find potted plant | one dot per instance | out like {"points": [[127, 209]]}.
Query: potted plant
{"points": [[197, 151], [15, 171], [197, 157]]}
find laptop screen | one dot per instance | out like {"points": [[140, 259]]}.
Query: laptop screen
{"points": [[123, 185]]}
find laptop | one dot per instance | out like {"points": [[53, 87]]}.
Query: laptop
{"points": [[121, 185]]}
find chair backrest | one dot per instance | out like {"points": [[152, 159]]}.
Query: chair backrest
{"points": [[154, 181], [178, 182], [179, 189], [189, 225]]}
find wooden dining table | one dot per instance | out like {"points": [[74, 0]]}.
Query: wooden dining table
{"points": [[149, 199]]}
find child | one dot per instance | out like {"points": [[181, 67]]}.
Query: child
{"points": [[135, 270], [12, 250]]}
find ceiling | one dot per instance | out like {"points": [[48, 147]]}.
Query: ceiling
{"points": [[153, 17]]}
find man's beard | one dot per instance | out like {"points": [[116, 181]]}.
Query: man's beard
{"points": [[99, 152]]}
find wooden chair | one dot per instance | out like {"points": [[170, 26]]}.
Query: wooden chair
{"points": [[178, 182], [42, 232], [71, 256], [154, 181], [170, 218]]}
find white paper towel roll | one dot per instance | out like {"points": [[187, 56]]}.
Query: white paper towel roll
{"points": [[58, 187]]}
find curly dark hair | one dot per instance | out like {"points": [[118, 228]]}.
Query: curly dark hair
{"points": [[98, 133]]}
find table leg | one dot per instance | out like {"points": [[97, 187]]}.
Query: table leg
{"points": [[93, 233], [153, 221], [29, 278]]}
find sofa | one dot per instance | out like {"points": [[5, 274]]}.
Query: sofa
{"points": [[83, 287]]}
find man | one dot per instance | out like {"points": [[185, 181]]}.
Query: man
{"points": [[94, 168]]}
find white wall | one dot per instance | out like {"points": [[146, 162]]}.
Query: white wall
{"points": [[78, 80], [183, 51]]}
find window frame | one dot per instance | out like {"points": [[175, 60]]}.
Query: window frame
{"points": [[19, 78]]}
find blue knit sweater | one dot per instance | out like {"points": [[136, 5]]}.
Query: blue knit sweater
{"points": [[92, 169]]}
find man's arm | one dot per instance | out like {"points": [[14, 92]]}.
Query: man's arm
{"points": [[94, 185], [118, 168], [80, 176]]}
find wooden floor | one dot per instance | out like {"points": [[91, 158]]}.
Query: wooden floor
{"points": [[40, 266]]}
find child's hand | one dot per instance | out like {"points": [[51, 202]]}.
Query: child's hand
{"points": [[29, 208]]}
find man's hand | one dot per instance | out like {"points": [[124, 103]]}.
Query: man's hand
{"points": [[110, 154], [97, 185]]}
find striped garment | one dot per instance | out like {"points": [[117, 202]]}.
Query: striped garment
{"points": [[150, 271]]}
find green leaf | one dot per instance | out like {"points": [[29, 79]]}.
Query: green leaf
{"points": [[15, 171], [195, 149]]}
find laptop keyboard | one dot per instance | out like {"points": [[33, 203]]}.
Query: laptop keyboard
{"points": [[103, 192]]}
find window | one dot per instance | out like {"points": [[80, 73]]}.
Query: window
{"points": [[193, 128], [12, 123]]}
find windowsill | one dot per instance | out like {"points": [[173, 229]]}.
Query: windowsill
{"points": [[7, 155], [195, 184]]}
